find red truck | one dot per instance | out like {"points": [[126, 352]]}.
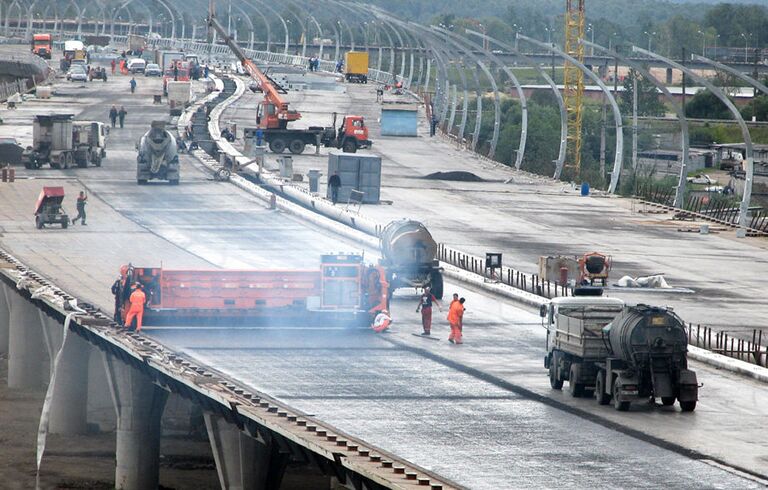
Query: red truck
{"points": [[42, 45]]}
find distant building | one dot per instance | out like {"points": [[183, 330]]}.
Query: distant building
{"points": [[664, 163]]}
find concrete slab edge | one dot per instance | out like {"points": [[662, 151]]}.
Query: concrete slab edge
{"points": [[528, 299]]}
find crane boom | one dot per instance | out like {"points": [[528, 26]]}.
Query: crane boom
{"points": [[274, 111]]}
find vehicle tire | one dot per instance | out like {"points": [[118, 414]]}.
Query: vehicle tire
{"points": [[667, 400], [85, 161], [97, 160], [296, 147], [55, 164], [556, 384], [141, 181], [576, 389], [38, 222], [277, 145], [174, 181], [436, 284], [688, 406], [349, 146], [64, 224], [600, 395], [28, 165], [620, 406]]}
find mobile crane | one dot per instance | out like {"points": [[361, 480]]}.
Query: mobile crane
{"points": [[273, 114]]}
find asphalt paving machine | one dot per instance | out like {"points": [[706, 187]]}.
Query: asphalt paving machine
{"points": [[343, 292]]}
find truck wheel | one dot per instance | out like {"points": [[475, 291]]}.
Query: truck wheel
{"points": [[55, 164], [38, 222], [64, 224], [28, 165], [618, 405], [436, 284], [349, 146], [667, 400], [600, 395], [556, 384], [297, 147], [576, 388], [83, 163], [688, 406], [97, 160], [141, 181], [277, 146]]}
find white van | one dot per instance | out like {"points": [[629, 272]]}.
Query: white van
{"points": [[136, 65]]}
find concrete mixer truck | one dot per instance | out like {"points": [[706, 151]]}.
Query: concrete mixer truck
{"points": [[158, 156], [409, 255], [622, 353]]}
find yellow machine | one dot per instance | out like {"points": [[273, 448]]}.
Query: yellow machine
{"points": [[356, 66]]}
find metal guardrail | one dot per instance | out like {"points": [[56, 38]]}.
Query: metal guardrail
{"points": [[753, 352]]}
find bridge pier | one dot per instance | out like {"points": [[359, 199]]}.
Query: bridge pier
{"points": [[69, 405], [139, 404], [25, 344], [244, 462], [4, 318]]}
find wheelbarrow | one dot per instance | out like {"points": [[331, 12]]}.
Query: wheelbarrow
{"points": [[48, 209]]}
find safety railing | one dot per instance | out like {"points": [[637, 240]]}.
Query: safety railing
{"points": [[531, 283], [720, 342]]}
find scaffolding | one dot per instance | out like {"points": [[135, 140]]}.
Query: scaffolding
{"points": [[573, 81]]}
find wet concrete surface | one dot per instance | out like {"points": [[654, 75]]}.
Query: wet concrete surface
{"points": [[406, 402]]}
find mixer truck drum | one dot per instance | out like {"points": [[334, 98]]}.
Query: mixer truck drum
{"points": [[595, 264]]}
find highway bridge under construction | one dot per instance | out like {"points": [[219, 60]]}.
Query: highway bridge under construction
{"points": [[281, 345]]}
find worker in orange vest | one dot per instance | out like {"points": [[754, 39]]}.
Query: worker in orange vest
{"points": [[137, 300], [381, 322], [456, 319]]}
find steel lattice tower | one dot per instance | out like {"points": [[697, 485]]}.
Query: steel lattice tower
{"points": [[573, 81]]}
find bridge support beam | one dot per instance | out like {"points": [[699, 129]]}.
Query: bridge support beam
{"points": [[69, 405], [139, 404], [243, 462], [25, 344], [4, 319]]}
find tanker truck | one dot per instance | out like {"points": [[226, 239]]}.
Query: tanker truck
{"points": [[409, 255], [157, 157], [622, 353]]}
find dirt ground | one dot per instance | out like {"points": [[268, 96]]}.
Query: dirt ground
{"points": [[89, 461]]}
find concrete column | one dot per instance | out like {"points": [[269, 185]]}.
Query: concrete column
{"points": [[4, 318], [101, 407], [26, 351], [139, 405], [243, 462], [69, 404]]}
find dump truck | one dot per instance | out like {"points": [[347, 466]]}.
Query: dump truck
{"points": [[343, 291], [59, 141], [356, 66], [136, 43], [48, 209], [89, 142], [409, 255], [52, 142], [42, 45], [621, 353], [157, 156]]}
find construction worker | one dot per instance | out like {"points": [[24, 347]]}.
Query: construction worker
{"points": [[113, 116], [425, 306], [456, 319], [82, 200], [133, 85], [334, 183], [118, 290], [137, 300], [113, 65], [121, 115], [382, 321]]}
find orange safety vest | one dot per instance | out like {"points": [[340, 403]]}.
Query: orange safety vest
{"points": [[138, 298], [455, 312]]}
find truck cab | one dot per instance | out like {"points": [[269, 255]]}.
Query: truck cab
{"points": [[42, 45], [354, 134], [89, 142]]}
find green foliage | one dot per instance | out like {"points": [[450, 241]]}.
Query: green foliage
{"points": [[648, 103], [705, 105], [758, 108]]}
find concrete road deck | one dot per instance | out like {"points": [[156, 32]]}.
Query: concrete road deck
{"points": [[478, 432], [533, 216]]}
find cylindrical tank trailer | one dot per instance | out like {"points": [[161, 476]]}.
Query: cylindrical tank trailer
{"points": [[409, 255]]}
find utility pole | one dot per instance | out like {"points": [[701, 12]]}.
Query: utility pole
{"points": [[634, 120], [683, 63], [602, 131]]}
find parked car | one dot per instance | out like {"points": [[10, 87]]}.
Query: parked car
{"points": [[701, 179], [136, 65], [153, 70], [77, 73]]}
